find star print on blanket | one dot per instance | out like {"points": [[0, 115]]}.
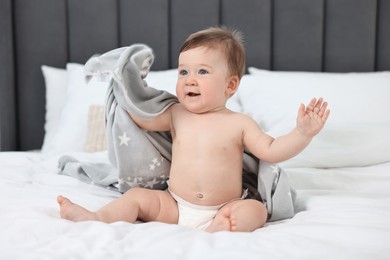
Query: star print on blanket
{"points": [[124, 140], [134, 181], [139, 158]]}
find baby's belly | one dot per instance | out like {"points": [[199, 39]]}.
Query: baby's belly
{"points": [[206, 188], [206, 176]]}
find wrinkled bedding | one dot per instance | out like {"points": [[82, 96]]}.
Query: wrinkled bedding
{"points": [[341, 213]]}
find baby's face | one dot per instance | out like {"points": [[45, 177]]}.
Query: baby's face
{"points": [[203, 80]]}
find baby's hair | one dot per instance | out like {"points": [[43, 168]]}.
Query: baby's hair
{"points": [[229, 41]]}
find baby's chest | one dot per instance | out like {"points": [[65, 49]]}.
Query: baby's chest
{"points": [[221, 136]]}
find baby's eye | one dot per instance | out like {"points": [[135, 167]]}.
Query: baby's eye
{"points": [[203, 72], [183, 72]]}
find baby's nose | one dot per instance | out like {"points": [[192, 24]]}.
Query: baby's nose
{"points": [[190, 81]]}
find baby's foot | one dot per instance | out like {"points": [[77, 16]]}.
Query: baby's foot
{"points": [[223, 221], [74, 212]]}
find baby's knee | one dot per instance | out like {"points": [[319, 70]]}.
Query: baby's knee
{"points": [[253, 207], [259, 209], [257, 205], [136, 192]]}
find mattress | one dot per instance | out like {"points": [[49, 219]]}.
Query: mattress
{"points": [[341, 213]]}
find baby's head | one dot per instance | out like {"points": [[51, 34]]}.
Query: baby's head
{"points": [[229, 42]]}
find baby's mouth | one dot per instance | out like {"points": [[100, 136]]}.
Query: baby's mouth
{"points": [[192, 94]]}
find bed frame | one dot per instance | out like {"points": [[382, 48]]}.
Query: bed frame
{"points": [[291, 35]]}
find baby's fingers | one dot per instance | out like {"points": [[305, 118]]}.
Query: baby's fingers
{"points": [[318, 105], [314, 105], [311, 105], [325, 115], [322, 109]]}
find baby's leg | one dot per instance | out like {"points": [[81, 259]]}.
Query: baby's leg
{"points": [[239, 215], [74, 212], [136, 203]]}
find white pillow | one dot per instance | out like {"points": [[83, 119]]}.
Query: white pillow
{"points": [[79, 99], [56, 81], [72, 128], [68, 115], [346, 145], [359, 119], [164, 80]]}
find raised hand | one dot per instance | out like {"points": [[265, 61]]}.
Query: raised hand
{"points": [[311, 119]]}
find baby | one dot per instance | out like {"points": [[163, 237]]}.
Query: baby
{"points": [[205, 180]]}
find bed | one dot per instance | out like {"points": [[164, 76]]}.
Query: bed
{"points": [[296, 49]]}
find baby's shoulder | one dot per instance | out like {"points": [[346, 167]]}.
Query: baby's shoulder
{"points": [[176, 108], [241, 116], [243, 121]]}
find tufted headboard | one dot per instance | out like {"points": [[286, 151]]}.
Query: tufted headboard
{"points": [[292, 35]]}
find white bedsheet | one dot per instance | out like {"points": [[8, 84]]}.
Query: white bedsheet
{"points": [[341, 214]]}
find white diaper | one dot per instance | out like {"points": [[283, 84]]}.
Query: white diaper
{"points": [[197, 216]]}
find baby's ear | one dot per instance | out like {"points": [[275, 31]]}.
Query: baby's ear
{"points": [[232, 87]]}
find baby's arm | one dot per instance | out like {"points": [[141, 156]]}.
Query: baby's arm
{"points": [[310, 121], [159, 123]]}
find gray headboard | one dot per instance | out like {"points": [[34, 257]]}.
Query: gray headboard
{"points": [[298, 35]]}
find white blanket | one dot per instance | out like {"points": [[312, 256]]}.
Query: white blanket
{"points": [[343, 213]]}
